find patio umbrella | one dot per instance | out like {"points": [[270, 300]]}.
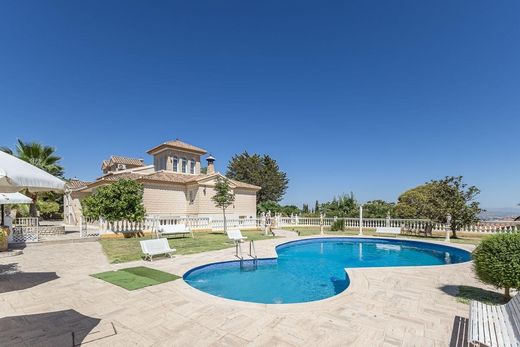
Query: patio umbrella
{"points": [[12, 198], [16, 174]]}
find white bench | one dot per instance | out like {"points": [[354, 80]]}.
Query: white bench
{"points": [[156, 247], [174, 229], [495, 325], [388, 230]]}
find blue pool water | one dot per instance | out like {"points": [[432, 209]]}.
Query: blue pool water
{"points": [[313, 269]]}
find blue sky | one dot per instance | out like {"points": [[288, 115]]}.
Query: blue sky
{"points": [[373, 97]]}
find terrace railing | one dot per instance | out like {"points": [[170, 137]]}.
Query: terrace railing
{"points": [[152, 222]]}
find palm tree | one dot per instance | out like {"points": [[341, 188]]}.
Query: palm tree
{"points": [[39, 155]]}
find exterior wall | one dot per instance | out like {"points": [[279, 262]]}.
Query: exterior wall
{"points": [[164, 159], [245, 203], [207, 206], [192, 200], [165, 199]]}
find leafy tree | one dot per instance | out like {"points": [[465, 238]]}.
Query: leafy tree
{"points": [[267, 206], [122, 200], [47, 208], [305, 209], [39, 155], [317, 207], [342, 206], [438, 198], [262, 171], [378, 209], [223, 196], [289, 210], [497, 261]]}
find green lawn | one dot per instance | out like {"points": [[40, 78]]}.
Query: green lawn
{"points": [[123, 250], [474, 240], [136, 277]]}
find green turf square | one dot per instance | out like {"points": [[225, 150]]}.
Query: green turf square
{"points": [[136, 277]]}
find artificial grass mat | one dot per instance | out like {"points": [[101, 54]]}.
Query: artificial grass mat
{"points": [[133, 278]]}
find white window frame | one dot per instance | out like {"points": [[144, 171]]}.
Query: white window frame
{"points": [[175, 163], [184, 165]]}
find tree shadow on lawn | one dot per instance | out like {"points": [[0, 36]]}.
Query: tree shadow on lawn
{"points": [[11, 279], [465, 294]]}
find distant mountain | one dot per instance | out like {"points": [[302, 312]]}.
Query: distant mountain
{"points": [[504, 213]]}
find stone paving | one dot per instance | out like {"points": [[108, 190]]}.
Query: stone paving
{"points": [[47, 298]]}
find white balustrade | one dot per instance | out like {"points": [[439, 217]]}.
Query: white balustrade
{"points": [[151, 222]]}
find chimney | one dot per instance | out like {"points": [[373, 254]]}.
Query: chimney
{"points": [[211, 165]]}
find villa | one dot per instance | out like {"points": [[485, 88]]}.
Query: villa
{"points": [[175, 184]]}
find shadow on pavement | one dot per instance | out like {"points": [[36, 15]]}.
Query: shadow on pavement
{"points": [[60, 328], [11, 279]]}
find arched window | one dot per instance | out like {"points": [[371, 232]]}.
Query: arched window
{"points": [[192, 166], [184, 164], [175, 164]]}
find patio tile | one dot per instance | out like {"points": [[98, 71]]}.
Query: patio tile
{"points": [[382, 307]]}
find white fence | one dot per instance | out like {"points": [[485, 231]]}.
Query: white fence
{"points": [[152, 222]]}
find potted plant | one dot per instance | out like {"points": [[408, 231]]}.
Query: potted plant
{"points": [[4, 235]]}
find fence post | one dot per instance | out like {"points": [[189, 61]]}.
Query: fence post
{"points": [[321, 223], [360, 220]]}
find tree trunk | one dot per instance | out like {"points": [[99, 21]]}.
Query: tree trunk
{"points": [[32, 207], [225, 224], [507, 294], [454, 232]]}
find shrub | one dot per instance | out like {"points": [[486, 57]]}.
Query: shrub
{"points": [[122, 200], [497, 261], [338, 225]]}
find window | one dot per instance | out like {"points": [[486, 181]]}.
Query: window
{"points": [[184, 164], [175, 164], [192, 166]]}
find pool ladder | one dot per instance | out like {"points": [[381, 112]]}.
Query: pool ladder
{"points": [[252, 254], [252, 250]]}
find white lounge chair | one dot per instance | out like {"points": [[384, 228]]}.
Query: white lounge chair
{"points": [[388, 230], [235, 235], [174, 229], [156, 247], [494, 325]]}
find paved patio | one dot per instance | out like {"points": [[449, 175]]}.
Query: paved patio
{"points": [[50, 286]]}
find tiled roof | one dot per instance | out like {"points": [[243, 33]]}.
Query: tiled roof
{"points": [[122, 176], [178, 144], [245, 185], [114, 177], [162, 176], [116, 159], [77, 184], [173, 177]]}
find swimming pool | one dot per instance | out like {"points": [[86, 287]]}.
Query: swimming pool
{"points": [[313, 269]]}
